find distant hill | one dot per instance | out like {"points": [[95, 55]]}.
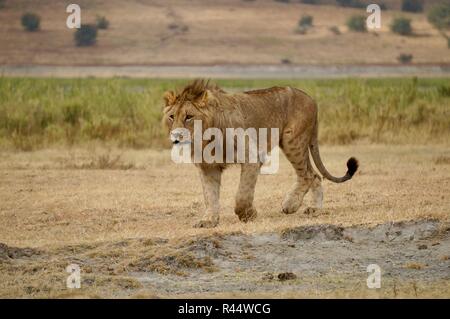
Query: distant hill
{"points": [[213, 32]]}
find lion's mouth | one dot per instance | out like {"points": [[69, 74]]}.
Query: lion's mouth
{"points": [[177, 142]]}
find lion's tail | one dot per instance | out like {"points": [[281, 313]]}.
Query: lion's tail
{"points": [[352, 163]]}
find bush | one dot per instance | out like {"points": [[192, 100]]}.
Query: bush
{"points": [[350, 3], [102, 23], [401, 26], [412, 5], [405, 58], [86, 35], [31, 22], [439, 16], [306, 21], [357, 23], [335, 30], [310, 1], [2, 3]]}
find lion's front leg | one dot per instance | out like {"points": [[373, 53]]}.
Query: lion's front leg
{"points": [[210, 177], [244, 197]]}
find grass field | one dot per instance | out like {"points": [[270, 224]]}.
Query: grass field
{"points": [[202, 32], [86, 178], [130, 228], [42, 113]]}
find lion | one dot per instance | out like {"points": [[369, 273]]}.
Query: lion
{"points": [[290, 110]]}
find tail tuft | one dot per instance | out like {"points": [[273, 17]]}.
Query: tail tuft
{"points": [[352, 166]]}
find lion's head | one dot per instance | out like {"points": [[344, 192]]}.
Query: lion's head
{"points": [[182, 109]]}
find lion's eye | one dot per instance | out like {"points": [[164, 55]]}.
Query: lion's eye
{"points": [[189, 117], [171, 117]]}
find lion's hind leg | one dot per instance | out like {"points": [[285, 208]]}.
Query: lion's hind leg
{"points": [[317, 196], [296, 151]]}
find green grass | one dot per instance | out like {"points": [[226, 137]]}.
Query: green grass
{"points": [[38, 113]]}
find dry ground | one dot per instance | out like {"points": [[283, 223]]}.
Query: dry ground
{"points": [[129, 226], [210, 32]]}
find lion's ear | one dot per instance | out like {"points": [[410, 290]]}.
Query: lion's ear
{"points": [[170, 97]]}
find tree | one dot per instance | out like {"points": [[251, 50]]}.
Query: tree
{"points": [[357, 23], [102, 23], [401, 26], [439, 17], [86, 35], [306, 21], [31, 21], [412, 5]]}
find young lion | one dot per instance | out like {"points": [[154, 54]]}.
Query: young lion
{"points": [[290, 110]]}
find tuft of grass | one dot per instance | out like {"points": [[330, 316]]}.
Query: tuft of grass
{"points": [[415, 266], [105, 161], [442, 160]]}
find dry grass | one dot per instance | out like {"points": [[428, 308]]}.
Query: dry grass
{"points": [[415, 266], [67, 206], [113, 222], [205, 32]]}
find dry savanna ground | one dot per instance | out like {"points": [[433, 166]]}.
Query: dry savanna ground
{"points": [[212, 32], [126, 218]]}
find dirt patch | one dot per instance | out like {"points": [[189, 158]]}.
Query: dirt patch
{"points": [[321, 257]]}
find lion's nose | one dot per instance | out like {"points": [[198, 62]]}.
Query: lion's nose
{"points": [[176, 142]]}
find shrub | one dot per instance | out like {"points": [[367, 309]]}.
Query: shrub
{"points": [[439, 16], [31, 22], [102, 23], [335, 30], [306, 21], [310, 1], [357, 23], [2, 3], [350, 3], [401, 26], [444, 90], [412, 5], [405, 58], [86, 35]]}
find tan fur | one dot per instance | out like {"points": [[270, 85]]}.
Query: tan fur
{"points": [[290, 110]]}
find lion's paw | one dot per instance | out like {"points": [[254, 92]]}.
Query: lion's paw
{"points": [[246, 215], [311, 211]]}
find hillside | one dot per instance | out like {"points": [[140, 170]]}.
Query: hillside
{"points": [[211, 32]]}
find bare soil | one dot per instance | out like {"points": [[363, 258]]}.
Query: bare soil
{"points": [[199, 32]]}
